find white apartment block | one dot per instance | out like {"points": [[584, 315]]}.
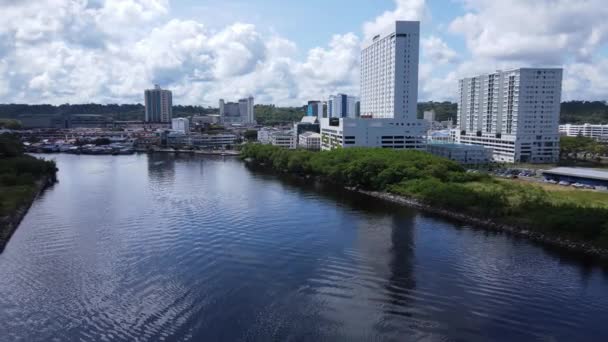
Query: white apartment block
{"points": [[389, 95], [181, 125], [597, 132], [515, 112], [389, 73]]}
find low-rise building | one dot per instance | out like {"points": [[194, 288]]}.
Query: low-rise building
{"points": [[368, 132], [285, 139], [221, 140], [586, 176], [597, 132], [181, 125], [461, 153], [310, 141]]}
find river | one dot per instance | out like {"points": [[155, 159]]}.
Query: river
{"points": [[160, 247]]}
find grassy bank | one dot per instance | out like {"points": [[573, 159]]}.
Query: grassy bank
{"points": [[19, 174], [442, 183]]}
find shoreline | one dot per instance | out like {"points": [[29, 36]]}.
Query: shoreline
{"points": [[488, 224], [10, 223]]}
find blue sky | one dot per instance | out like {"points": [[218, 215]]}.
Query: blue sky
{"points": [[282, 52]]}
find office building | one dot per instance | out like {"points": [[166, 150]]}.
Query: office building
{"points": [[385, 133], [389, 95], [285, 139], [307, 124], [314, 108], [597, 132], [310, 141], [241, 112], [181, 125], [159, 105], [515, 112], [342, 106], [461, 153]]}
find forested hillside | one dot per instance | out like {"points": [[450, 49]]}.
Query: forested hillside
{"points": [[571, 112]]}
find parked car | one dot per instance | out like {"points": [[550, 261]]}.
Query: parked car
{"points": [[564, 183]]}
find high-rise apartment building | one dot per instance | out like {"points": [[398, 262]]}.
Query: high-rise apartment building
{"points": [[514, 112], [159, 105], [389, 73], [389, 94], [241, 112]]}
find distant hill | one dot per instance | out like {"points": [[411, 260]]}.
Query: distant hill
{"points": [[118, 112], [571, 112]]}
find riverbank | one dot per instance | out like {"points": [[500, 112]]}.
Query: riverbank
{"points": [[525, 232], [444, 188], [10, 222]]}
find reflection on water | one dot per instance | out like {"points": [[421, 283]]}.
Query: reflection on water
{"points": [[152, 247]]}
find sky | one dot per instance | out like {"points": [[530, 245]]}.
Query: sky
{"points": [[282, 52]]}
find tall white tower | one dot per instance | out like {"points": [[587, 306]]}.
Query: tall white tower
{"points": [[389, 73]]}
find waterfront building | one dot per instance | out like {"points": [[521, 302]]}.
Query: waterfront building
{"points": [[515, 112], [597, 132], [181, 125], [285, 139], [314, 108], [461, 153], [389, 95], [264, 134], [199, 140], [307, 124], [385, 133], [342, 106], [159, 105], [241, 112], [310, 141]]}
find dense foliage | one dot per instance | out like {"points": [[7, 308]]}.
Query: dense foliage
{"points": [[442, 183], [443, 110], [10, 124], [116, 111], [579, 112], [270, 115], [18, 173], [581, 148]]}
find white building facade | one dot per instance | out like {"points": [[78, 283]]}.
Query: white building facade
{"points": [[389, 95], [389, 73], [515, 112], [159, 105], [283, 139], [597, 132], [310, 141], [181, 125], [461, 153]]}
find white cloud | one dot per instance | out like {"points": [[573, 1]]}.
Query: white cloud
{"points": [[437, 51], [404, 10]]}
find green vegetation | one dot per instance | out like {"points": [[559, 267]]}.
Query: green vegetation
{"points": [[269, 115], [579, 112], [443, 110], [581, 149], [10, 124], [444, 184], [18, 174], [250, 135]]}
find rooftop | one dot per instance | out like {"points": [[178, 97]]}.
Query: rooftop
{"points": [[579, 172]]}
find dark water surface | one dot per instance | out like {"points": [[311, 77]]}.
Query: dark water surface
{"points": [[156, 247]]}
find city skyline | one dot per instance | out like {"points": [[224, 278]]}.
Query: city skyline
{"points": [[107, 51]]}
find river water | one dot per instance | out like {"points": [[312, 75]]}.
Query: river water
{"points": [[159, 247]]}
